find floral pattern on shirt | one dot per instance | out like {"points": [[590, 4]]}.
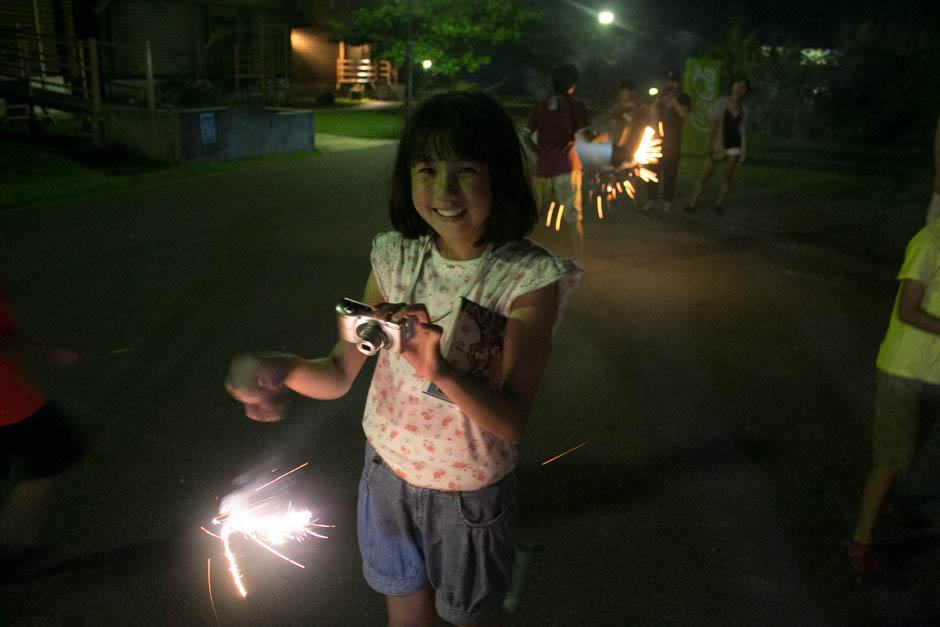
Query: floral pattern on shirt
{"points": [[427, 441]]}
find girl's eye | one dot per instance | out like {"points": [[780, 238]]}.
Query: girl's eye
{"points": [[469, 169], [425, 170]]}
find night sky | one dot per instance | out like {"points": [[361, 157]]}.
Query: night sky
{"points": [[805, 22]]}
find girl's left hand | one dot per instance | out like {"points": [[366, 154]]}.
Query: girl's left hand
{"points": [[423, 348]]}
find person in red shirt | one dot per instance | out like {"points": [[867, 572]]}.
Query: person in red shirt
{"points": [[34, 434], [557, 122]]}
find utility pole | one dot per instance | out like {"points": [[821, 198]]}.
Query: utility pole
{"points": [[409, 62]]}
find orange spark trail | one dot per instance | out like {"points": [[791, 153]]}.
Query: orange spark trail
{"points": [[565, 453], [551, 208], [600, 211], [209, 578], [282, 476], [561, 210]]}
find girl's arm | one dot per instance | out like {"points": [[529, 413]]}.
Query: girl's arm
{"points": [[254, 376], [527, 344], [911, 307]]}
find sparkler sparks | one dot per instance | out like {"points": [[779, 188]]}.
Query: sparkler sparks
{"points": [[574, 448], [650, 149], [264, 521], [611, 182]]}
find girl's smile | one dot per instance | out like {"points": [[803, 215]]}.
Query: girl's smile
{"points": [[454, 197]]}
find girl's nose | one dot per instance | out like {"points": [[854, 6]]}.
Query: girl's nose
{"points": [[446, 184]]}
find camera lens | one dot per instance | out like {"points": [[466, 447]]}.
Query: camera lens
{"points": [[371, 337]]}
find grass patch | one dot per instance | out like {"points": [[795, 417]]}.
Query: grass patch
{"points": [[62, 162], [362, 123], [61, 167]]}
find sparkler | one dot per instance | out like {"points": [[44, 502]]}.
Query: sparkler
{"points": [[607, 186], [263, 521]]}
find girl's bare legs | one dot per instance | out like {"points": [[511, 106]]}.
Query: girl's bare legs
{"points": [[412, 610], [726, 181], [417, 610], [710, 164]]}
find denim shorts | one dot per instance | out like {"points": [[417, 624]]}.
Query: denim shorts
{"points": [[458, 542]]}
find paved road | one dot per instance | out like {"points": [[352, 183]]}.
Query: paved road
{"points": [[720, 372]]}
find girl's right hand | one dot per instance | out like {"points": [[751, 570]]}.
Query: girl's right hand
{"points": [[257, 381]]}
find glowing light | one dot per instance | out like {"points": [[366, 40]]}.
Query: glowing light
{"points": [[629, 188], [551, 208], [265, 522], [600, 210], [650, 149], [561, 211], [605, 17], [574, 448], [426, 64], [653, 91], [661, 132], [647, 175]]}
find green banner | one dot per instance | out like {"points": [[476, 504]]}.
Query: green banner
{"points": [[702, 80]]}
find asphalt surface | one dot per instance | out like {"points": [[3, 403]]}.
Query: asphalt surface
{"points": [[720, 371]]}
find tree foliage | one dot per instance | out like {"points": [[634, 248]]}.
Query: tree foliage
{"points": [[878, 85], [456, 35]]}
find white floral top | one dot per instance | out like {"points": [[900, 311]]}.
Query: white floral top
{"points": [[426, 440]]}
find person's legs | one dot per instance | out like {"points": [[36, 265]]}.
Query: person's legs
{"points": [[411, 610], [569, 193], [668, 175], [706, 174], [47, 445], [877, 486], [726, 181], [895, 436]]}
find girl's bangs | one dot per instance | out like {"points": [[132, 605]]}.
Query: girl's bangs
{"points": [[448, 137]]}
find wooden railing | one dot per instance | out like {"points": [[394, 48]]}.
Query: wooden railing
{"points": [[42, 71], [364, 72]]}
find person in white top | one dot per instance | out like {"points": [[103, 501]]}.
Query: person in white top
{"points": [[443, 416], [727, 141]]}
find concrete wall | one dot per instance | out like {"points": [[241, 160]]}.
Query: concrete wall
{"points": [[216, 134]]}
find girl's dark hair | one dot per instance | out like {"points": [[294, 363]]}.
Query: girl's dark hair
{"points": [[474, 127]]}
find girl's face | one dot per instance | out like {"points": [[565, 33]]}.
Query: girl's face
{"points": [[454, 197], [739, 88]]}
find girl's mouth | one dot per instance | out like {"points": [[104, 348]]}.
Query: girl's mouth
{"points": [[449, 213]]}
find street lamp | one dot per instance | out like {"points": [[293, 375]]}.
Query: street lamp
{"points": [[605, 17], [426, 64]]}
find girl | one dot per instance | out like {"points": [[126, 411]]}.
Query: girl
{"points": [[728, 139], [436, 495]]}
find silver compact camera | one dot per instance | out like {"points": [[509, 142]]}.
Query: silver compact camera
{"points": [[359, 325]]}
